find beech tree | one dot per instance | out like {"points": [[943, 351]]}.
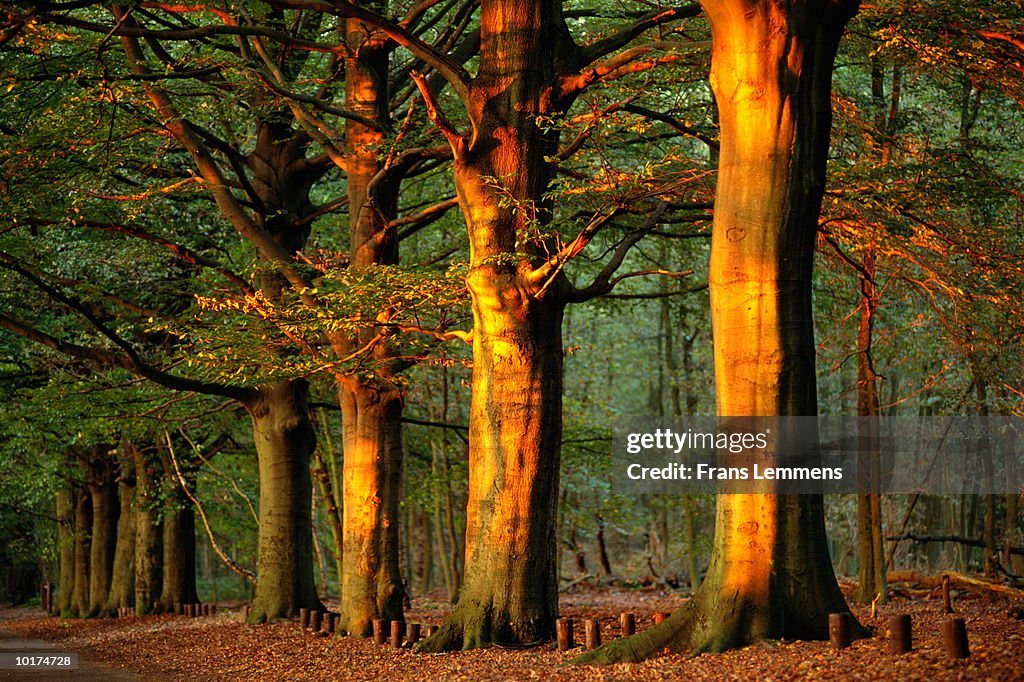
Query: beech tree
{"points": [[264, 193], [530, 70], [770, 574]]}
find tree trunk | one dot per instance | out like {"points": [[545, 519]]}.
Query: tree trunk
{"points": [[66, 552], [371, 582], [284, 445], [871, 565], [122, 585], [179, 548], [502, 171], [770, 574], [103, 541], [148, 536], [83, 526]]}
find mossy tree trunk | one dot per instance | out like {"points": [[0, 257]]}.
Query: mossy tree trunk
{"points": [[284, 445], [178, 578], [122, 584], [148, 535], [770, 574], [65, 551], [83, 530], [102, 487]]}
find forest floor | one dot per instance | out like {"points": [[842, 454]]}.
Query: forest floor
{"points": [[222, 647]]}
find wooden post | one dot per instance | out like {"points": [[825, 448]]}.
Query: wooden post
{"points": [[414, 634], [954, 635], [947, 602], [565, 635], [213, 609], [314, 620], [179, 609], [380, 630], [839, 630], [303, 618], [593, 627], [900, 635], [660, 617], [627, 623], [397, 632], [245, 612]]}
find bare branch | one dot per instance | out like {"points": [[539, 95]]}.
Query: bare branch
{"points": [[603, 283], [601, 48]]}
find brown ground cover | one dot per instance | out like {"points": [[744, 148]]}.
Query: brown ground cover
{"points": [[222, 647]]}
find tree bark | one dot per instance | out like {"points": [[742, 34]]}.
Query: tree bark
{"points": [[122, 585], [371, 407], [502, 171], [178, 585], [66, 552], [284, 445], [83, 526], [148, 536], [770, 574], [103, 541], [371, 581]]}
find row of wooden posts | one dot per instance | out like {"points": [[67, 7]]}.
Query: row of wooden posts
{"points": [[840, 627], [189, 610], [954, 634]]}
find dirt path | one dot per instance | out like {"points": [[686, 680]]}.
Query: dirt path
{"points": [[87, 670]]}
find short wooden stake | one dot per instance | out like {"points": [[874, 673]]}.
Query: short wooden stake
{"points": [[627, 624], [660, 617], [414, 634], [304, 618], [954, 635], [179, 608], [314, 620], [563, 627], [839, 630], [327, 623], [947, 601], [397, 633], [593, 627], [213, 609], [900, 635], [381, 628]]}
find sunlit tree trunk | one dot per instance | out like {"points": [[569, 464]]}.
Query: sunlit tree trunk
{"points": [[284, 445], [770, 574], [371, 406], [509, 591], [371, 584]]}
